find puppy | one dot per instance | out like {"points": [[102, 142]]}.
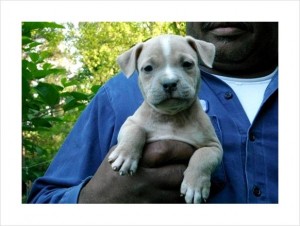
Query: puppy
{"points": [[169, 79]]}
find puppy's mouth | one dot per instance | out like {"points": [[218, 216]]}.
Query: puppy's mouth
{"points": [[172, 105], [171, 99]]}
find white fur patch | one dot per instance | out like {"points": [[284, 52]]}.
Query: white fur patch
{"points": [[166, 46], [169, 73]]}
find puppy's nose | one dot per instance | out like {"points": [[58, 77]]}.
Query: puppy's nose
{"points": [[170, 86]]}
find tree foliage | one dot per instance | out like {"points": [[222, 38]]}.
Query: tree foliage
{"points": [[99, 44], [53, 94]]}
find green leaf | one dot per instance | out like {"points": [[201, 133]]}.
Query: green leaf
{"points": [[26, 74], [43, 73], [41, 122], [53, 119], [95, 88], [34, 105], [28, 26], [32, 67], [57, 87], [28, 128], [26, 40], [34, 57], [45, 54], [34, 44], [47, 66], [76, 95], [33, 147], [64, 81], [25, 88], [48, 93], [28, 43], [67, 83], [72, 104]]}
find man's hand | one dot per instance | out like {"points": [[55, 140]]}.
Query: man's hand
{"points": [[157, 179]]}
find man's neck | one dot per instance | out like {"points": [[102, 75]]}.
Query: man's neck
{"points": [[240, 74]]}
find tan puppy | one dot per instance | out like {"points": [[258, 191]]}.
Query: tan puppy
{"points": [[169, 78]]}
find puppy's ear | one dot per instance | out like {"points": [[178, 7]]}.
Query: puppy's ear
{"points": [[206, 51], [128, 60]]}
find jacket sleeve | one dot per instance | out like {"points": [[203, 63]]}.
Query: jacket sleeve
{"points": [[80, 155]]}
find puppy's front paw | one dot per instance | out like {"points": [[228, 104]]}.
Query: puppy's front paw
{"points": [[195, 189], [124, 162]]}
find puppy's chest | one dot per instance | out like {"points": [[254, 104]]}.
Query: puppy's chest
{"points": [[178, 128]]}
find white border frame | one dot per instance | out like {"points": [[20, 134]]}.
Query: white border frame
{"points": [[15, 213]]}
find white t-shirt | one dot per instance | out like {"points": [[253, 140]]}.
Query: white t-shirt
{"points": [[249, 91]]}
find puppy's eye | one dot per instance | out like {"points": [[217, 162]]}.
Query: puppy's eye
{"points": [[187, 64], [148, 68]]}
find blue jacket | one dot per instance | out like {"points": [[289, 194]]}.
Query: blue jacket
{"points": [[249, 170]]}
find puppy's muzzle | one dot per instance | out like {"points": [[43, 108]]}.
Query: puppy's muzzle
{"points": [[170, 86]]}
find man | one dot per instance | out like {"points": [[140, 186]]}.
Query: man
{"points": [[240, 94]]}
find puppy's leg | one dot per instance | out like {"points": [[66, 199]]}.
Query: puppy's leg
{"points": [[131, 141], [196, 183]]}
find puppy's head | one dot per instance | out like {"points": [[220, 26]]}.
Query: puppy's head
{"points": [[168, 67]]}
